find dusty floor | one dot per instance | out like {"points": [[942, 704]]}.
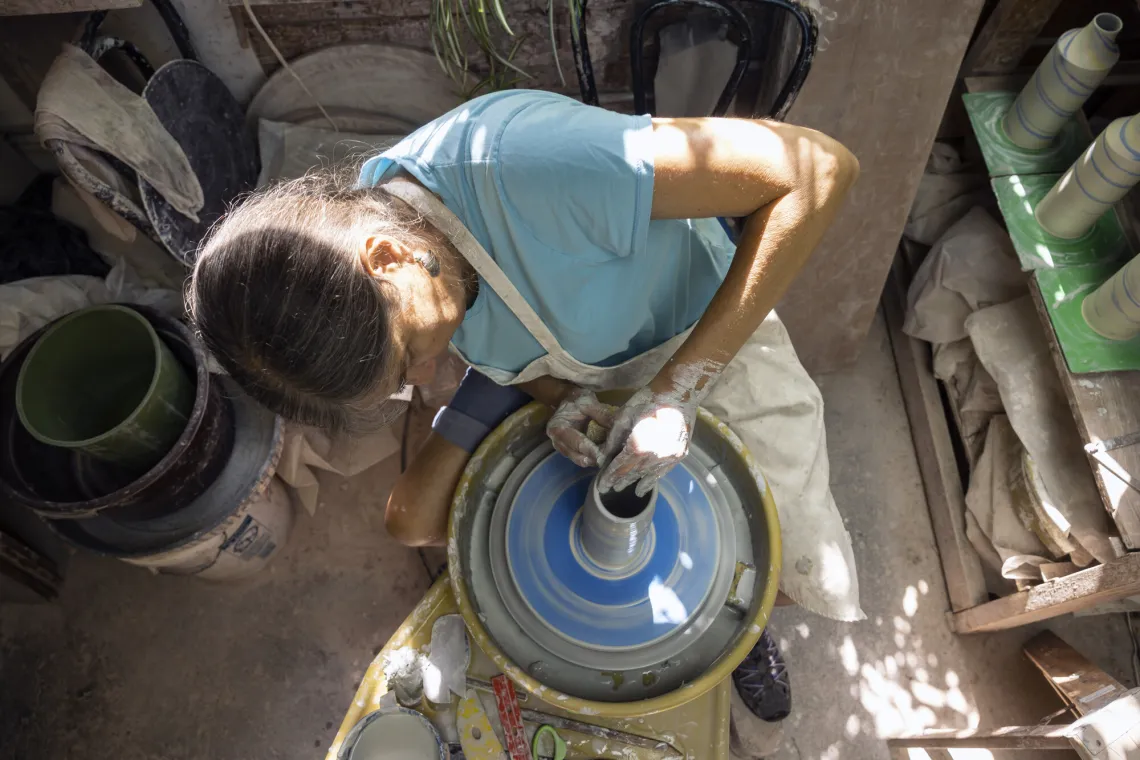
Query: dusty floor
{"points": [[129, 665]]}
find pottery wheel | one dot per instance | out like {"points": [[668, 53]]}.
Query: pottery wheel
{"points": [[591, 615], [607, 633]]}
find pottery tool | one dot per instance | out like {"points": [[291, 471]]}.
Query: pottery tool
{"points": [[562, 723], [476, 734], [445, 667], [486, 686], [510, 717], [668, 751], [547, 733]]}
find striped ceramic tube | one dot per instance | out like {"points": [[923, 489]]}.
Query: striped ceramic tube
{"points": [[1113, 309], [1076, 66], [1103, 174]]}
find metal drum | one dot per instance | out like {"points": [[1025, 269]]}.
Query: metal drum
{"points": [[611, 607]]}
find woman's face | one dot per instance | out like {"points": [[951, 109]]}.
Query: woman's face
{"points": [[428, 326], [429, 309]]}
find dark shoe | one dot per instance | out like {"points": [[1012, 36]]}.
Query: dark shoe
{"points": [[762, 681]]}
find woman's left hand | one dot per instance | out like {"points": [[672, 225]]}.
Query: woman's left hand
{"points": [[652, 431], [649, 436]]}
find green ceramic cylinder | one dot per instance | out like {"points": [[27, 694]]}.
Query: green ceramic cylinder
{"points": [[103, 382]]}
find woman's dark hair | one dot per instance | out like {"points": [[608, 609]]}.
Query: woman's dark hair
{"points": [[280, 298]]}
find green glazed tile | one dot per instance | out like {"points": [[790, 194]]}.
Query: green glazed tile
{"points": [[986, 111], [1063, 290], [1017, 196]]}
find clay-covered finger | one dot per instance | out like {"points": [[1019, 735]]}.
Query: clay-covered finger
{"points": [[648, 481], [626, 481], [609, 474], [576, 447], [590, 451], [616, 440], [623, 471], [579, 459]]}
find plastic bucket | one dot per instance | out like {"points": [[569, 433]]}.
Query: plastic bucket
{"points": [[245, 542], [67, 483], [232, 530], [101, 380]]}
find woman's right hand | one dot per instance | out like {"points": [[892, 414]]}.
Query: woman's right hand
{"points": [[568, 427]]}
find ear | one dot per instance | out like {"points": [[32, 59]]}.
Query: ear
{"points": [[381, 254]]}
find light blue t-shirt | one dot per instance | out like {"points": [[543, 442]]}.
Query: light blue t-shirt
{"points": [[559, 194]]}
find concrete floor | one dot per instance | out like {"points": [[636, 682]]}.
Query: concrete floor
{"points": [[130, 665]]}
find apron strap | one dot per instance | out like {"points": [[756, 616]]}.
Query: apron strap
{"points": [[449, 224]]}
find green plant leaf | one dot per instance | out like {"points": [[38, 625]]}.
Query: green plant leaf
{"points": [[554, 41]]}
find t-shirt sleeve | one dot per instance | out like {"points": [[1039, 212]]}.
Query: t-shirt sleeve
{"points": [[578, 178]]}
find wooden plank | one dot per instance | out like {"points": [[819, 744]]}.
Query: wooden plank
{"points": [[1009, 737], [1007, 34], [1088, 588], [930, 431], [880, 87], [1079, 682], [35, 7], [1105, 406]]}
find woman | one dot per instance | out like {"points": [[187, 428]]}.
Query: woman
{"points": [[563, 249]]}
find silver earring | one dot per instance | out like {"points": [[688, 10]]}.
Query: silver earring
{"points": [[429, 261]]}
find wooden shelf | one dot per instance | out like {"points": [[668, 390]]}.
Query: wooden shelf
{"points": [[1080, 591], [1105, 406]]}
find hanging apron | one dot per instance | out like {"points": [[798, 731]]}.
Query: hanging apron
{"points": [[764, 394]]}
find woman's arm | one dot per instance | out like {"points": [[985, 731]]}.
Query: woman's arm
{"points": [[420, 502], [789, 182], [548, 390]]}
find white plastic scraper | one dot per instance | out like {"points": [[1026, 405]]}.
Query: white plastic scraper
{"points": [[445, 669]]}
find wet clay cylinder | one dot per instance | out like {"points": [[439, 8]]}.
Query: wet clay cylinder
{"points": [[615, 526], [1113, 309], [1076, 66], [1103, 174]]}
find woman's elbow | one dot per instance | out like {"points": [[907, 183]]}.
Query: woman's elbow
{"points": [[836, 166], [407, 524]]}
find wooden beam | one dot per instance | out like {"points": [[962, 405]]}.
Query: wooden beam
{"points": [[1006, 35], [37, 7], [1079, 591], [880, 88], [941, 479], [1080, 683], [1009, 737]]}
